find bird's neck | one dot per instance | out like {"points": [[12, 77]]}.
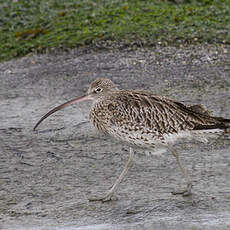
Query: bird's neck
{"points": [[97, 101]]}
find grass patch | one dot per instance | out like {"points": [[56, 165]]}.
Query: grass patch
{"points": [[38, 25]]}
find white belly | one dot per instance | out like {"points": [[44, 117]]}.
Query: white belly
{"points": [[155, 141]]}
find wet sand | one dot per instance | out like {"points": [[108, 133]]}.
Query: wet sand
{"points": [[47, 176]]}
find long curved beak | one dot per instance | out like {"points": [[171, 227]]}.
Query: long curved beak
{"points": [[82, 98]]}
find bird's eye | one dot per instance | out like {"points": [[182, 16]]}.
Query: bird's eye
{"points": [[97, 90]]}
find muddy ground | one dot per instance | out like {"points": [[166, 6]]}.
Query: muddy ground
{"points": [[46, 176]]}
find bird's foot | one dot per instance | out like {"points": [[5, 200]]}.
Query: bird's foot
{"points": [[105, 198], [185, 192]]}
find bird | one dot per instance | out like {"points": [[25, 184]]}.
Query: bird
{"points": [[141, 118]]}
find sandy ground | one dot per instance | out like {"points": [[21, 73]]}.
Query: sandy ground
{"points": [[46, 176]]}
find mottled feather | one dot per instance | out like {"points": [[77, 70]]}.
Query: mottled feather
{"points": [[142, 118]]}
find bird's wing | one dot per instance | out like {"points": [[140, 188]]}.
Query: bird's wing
{"points": [[140, 109]]}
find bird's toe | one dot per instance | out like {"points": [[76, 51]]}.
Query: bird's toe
{"points": [[105, 198]]}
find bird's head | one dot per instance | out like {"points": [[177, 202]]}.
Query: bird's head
{"points": [[98, 89]]}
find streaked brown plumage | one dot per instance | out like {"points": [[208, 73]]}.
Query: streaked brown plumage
{"points": [[146, 120]]}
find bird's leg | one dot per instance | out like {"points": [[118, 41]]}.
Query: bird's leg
{"points": [[109, 194], [187, 191]]}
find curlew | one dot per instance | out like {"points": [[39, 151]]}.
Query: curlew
{"points": [[143, 119]]}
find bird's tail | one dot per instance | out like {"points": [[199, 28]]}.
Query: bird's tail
{"points": [[224, 123], [206, 120], [216, 123]]}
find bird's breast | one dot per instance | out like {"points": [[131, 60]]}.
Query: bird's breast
{"points": [[100, 116]]}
